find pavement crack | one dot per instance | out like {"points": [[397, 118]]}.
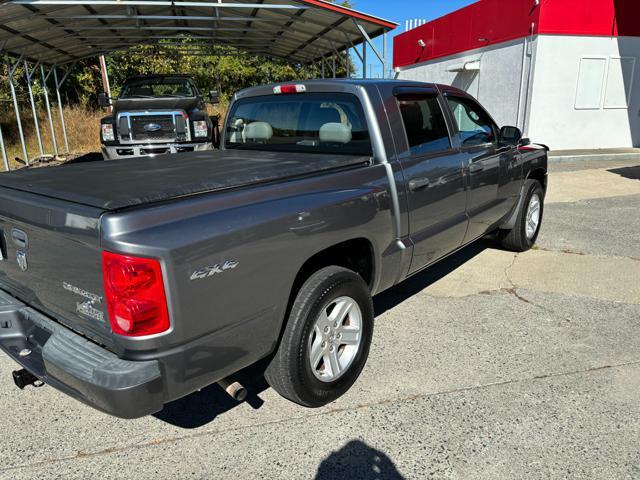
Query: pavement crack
{"points": [[408, 398], [514, 290]]}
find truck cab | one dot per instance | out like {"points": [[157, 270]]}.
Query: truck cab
{"points": [[156, 115]]}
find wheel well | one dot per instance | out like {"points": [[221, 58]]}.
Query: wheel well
{"points": [[356, 255], [539, 174]]}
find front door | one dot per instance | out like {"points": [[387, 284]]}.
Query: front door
{"points": [[485, 160], [433, 171]]}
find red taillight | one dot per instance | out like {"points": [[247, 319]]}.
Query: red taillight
{"points": [[289, 89], [134, 291]]}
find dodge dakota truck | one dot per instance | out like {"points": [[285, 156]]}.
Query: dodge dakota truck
{"points": [[128, 285], [156, 115]]}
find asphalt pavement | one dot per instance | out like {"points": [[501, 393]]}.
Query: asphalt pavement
{"points": [[490, 365]]}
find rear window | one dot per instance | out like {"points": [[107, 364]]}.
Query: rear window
{"points": [[424, 123], [305, 123]]}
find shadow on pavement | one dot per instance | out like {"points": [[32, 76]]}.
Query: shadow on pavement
{"points": [[203, 407], [632, 173], [358, 460], [414, 285]]}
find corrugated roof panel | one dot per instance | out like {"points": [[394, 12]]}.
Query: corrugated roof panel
{"points": [[62, 31]]}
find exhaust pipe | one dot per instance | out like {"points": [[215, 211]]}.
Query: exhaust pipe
{"points": [[234, 389]]}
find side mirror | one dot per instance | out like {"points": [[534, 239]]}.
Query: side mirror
{"points": [[103, 100], [214, 97], [510, 135]]}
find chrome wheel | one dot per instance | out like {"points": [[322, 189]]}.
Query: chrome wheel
{"points": [[533, 216], [336, 338]]}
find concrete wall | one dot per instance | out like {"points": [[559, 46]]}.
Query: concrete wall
{"points": [[497, 85], [579, 89]]}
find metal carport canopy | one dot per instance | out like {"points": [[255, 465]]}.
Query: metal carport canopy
{"points": [[58, 32]]}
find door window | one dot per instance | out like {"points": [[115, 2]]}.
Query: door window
{"points": [[424, 123], [474, 125]]}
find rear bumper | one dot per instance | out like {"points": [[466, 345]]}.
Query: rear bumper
{"points": [[76, 366], [151, 150]]}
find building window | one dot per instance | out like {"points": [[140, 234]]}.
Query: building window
{"points": [[619, 82], [605, 82], [590, 83]]}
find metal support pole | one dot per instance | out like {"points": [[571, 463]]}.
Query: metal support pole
{"points": [[64, 127], [29, 76], [11, 71], [4, 151], [348, 67], [364, 59], [323, 67], [384, 55], [106, 84], [48, 105], [335, 71]]}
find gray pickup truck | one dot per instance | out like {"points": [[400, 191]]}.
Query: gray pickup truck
{"points": [[128, 285]]}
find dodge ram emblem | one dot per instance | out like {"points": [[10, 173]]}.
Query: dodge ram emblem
{"points": [[152, 127], [21, 257]]}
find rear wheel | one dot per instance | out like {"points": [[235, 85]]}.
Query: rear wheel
{"points": [[528, 222], [326, 341]]}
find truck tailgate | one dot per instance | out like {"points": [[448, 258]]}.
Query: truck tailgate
{"points": [[51, 260]]}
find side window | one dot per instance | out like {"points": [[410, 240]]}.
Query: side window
{"points": [[475, 126], [424, 123]]}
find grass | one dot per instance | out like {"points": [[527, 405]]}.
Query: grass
{"points": [[83, 132], [83, 128]]}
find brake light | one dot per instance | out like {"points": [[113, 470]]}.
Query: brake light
{"points": [[135, 295], [289, 89]]}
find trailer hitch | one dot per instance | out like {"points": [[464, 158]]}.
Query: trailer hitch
{"points": [[23, 378]]}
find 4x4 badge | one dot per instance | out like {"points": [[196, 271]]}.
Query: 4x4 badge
{"points": [[214, 270], [21, 257]]}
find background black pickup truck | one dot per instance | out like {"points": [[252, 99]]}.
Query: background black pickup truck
{"points": [[131, 284], [156, 115]]}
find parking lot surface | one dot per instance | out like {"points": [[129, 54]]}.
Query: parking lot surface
{"points": [[489, 365]]}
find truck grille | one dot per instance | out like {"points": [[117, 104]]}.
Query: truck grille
{"points": [[153, 127]]}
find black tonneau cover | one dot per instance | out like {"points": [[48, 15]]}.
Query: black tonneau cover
{"points": [[114, 185]]}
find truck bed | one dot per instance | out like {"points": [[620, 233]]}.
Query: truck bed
{"points": [[130, 183]]}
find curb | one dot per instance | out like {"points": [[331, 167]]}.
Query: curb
{"points": [[594, 157]]}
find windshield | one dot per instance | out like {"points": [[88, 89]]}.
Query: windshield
{"points": [[158, 87], [330, 123]]}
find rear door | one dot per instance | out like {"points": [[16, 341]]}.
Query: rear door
{"points": [[487, 163], [433, 171]]}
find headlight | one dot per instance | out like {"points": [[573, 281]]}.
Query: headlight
{"points": [[108, 135], [200, 129]]}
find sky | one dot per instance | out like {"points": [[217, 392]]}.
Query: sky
{"points": [[401, 10]]}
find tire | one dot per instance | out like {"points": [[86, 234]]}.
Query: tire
{"points": [[523, 236], [322, 300]]}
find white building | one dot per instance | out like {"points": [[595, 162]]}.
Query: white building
{"points": [[564, 71]]}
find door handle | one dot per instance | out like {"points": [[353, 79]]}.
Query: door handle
{"points": [[476, 167], [419, 184]]}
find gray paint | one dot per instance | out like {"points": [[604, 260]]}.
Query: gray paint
{"points": [[271, 219]]}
